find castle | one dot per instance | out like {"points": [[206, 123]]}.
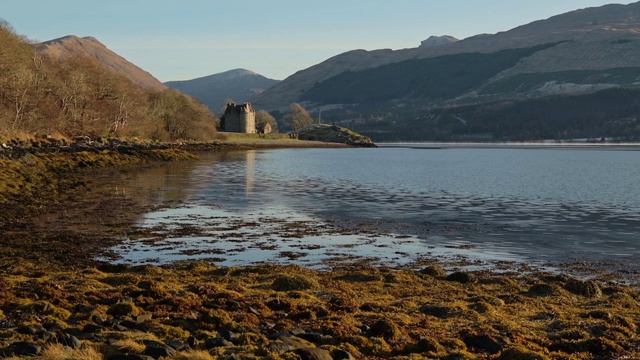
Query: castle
{"points": [[239, 118]]}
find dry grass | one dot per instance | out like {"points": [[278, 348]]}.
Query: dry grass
{"points": [[129, 346], [59, 352], [250, 138], [195, 355]]}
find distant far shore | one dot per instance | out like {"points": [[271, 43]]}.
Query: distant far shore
{"points": [[514, 144]]}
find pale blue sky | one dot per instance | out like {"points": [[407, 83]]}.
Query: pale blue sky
{"points": [[180, 40]]}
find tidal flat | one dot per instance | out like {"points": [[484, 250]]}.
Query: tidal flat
{"points": [[63, 295]]}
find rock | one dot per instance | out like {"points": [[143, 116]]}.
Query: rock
{"points": [[438, 311], [483, 342], [69, 340], [123, 309], [30, 329], [92, 328], [293, 342], [217, 342], [434, 270], [280, 347], [178, 345], [157, 351], [291, 283], [599, 314], [297, 331], [313, 354], [113, 268], [305, 315], [46, 335], [143, 318], [130, 324], [130, 357], [192, 341], [462, 277], [426, 345], [278, 305], [99, 320], [369, 308], [85, 309], [24, 348], [385, 329], [544, 290], [589, 289], [342, 355], [316, 338], [229, 335]]}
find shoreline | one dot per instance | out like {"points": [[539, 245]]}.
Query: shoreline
{"points": [[534, 145], [53, 292]]}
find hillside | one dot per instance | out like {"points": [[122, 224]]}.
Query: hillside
{"points": [[238, 85], [479, 88], [74, 46], [591, 39], [51, 94]]}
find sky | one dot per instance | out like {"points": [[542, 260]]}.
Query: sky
{"points": [[182, 40]]}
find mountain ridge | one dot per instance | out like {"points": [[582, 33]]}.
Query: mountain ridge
{"points": [[75, 46], [583, 30], [238, 85]]}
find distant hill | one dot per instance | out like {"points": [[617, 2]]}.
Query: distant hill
{"points": [[481, 88], [239, 85], [438, 41], [592, 39], [73, 46]]}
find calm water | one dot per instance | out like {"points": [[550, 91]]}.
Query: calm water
{"points": [[533, 205]]}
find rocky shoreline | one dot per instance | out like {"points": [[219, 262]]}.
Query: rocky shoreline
{"points": [[196, 310], [16, 149], [57, 302]]}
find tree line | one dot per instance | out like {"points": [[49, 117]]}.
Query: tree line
{"points": [[77, 96], [611, 113]]}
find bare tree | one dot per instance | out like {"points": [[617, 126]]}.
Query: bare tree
{"points": [[263, 118], [298, 116]]}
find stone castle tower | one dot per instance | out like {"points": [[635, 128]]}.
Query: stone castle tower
{"points": [[239, 118]]}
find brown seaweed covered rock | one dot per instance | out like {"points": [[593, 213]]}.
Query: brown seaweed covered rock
{"points": [[335, 134]]}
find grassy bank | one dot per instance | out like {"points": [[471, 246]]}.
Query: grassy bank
{"points": [[255, 141]]}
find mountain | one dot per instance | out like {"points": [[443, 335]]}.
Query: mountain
{"points": [[588, 39], [521, 84], [438, 41], [238, 85], [74, 46]]}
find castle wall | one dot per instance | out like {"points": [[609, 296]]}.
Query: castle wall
{"points": [[240, 119], [232, 123], [248, 123]]}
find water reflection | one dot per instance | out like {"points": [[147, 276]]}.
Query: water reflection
{"points": [[500, 204], [250, 171]]}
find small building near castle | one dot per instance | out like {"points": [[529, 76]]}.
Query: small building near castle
{"points": [[239, 118]]}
